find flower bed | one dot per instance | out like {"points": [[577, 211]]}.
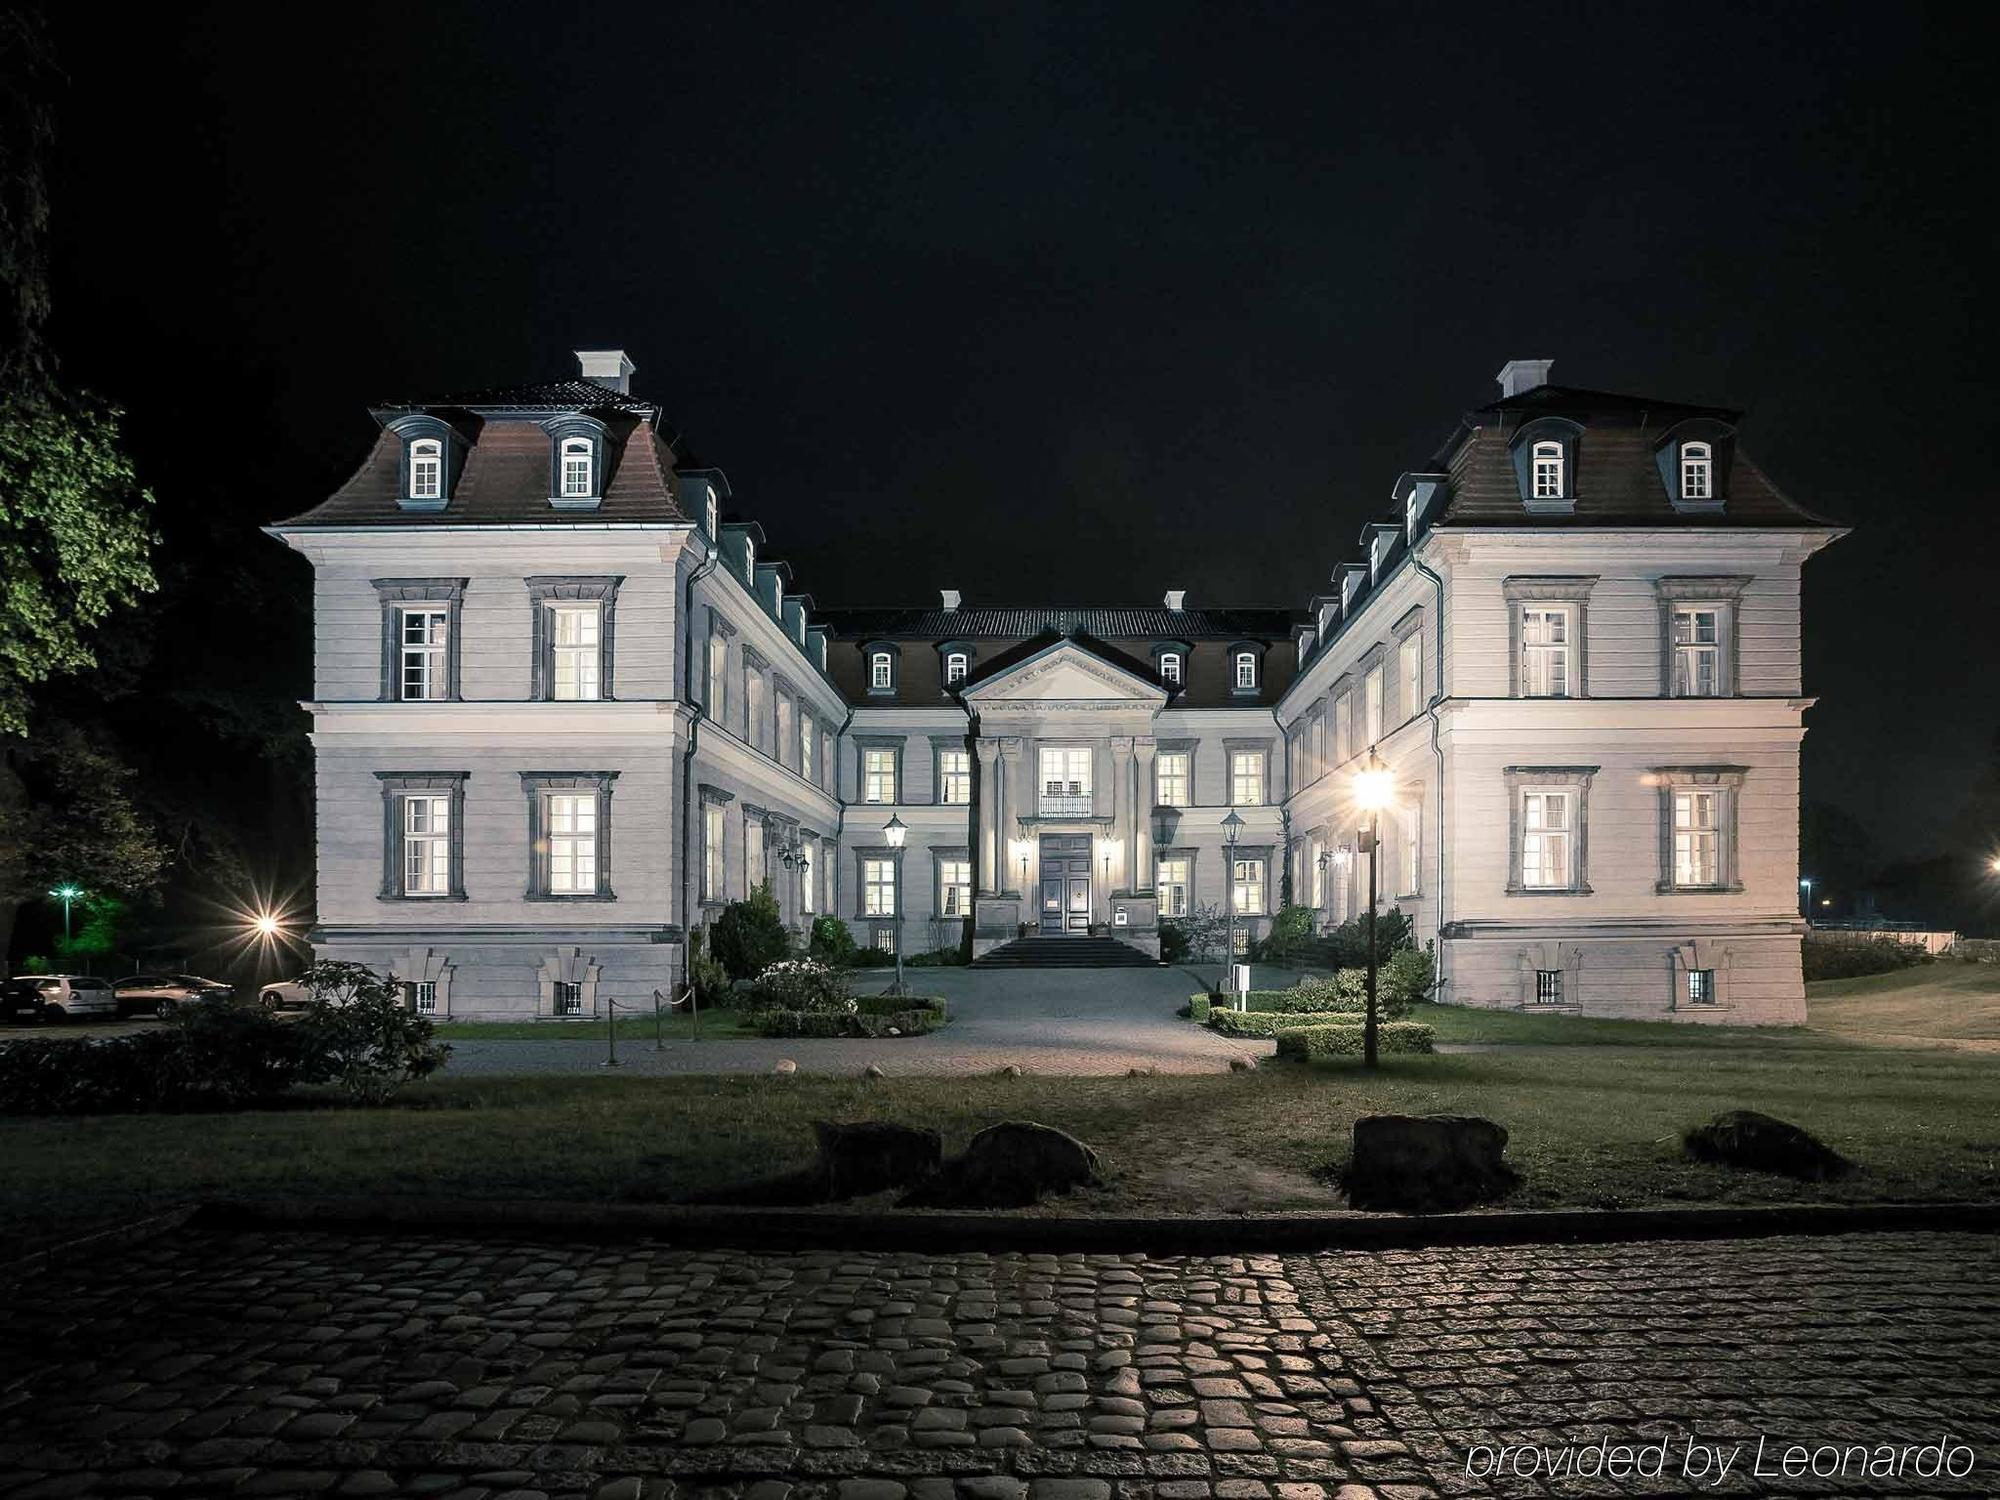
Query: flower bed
{"points": [[1308, 1042]]}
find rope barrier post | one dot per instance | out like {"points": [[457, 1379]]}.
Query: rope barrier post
{"points": [[610, 1032]]}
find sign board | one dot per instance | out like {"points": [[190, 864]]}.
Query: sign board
{"points": [[1118, 917]]}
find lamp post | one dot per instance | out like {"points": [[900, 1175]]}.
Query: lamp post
{"points": [[67, 894], [1325, 863], [1374, 786], [1232, 829], [1805, 898], [895, 832]]}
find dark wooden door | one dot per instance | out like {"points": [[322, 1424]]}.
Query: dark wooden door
{"points": [[1065, 883]]}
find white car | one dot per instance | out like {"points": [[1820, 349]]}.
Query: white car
{"points": [[285, 994], [59, 997]]}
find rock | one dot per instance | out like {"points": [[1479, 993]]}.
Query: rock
{"points": [[1242, 1064], [1010, 1165], [785, 1068], [870, 1156], [1012, 1070], [1142, 1072], [1745, 1138], [873, 1070], [1427, 1163]]}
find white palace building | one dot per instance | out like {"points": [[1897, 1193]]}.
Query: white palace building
{"points": [[567, 705]]}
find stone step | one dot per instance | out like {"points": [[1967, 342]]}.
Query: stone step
{"points": [[1064, 953]]}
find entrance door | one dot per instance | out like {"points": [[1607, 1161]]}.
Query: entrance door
{"points": [[1065, 883]]}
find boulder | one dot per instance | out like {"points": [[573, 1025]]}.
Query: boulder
{"points": [[1423, 1164], [785, 1067], [1745, 1138], [871, 1156], [1010, 1165]]}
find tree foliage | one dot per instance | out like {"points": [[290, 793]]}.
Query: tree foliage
{"points": [[750, 935]]}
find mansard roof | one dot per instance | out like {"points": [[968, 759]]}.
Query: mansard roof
{"points": [[546, 396], [1014, 622]]}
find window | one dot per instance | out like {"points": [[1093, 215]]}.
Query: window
{"points": [[1545, 840], [421, 995], [878, 774], [878, 888], [750, 560], [1548, 471], [1246, 778], [954, 668], [1170, 774], [424, 634], [1697, 471], [1170, 667], [782, 747], [575, 639], [1371, 703], [1701, 986], [954, 777], [426, 845], [1698, 837], [808, 737], [1246, 670], [718, 675], [1697, 650], [1066, 781], [569, 997], [1343, 728], [1545, 651], [427, 469], [577, 470], [1246, 885], [711, 851], [1171, 877], [882, 939], [1412, 817], [572, 834], [1410, 668], [881, 672], [753, 853], [1239, 942], [753, 705], [712, 513], [1315, 872], [808, 896], [954, 888], [1548, 986]]}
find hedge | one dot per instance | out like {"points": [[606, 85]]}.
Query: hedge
{"points": [[1198, 1007], [1308, 1042], [793, 1023], [1271, 1022], [891, 1005]]}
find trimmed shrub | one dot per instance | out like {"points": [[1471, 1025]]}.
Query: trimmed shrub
{"points": [[1173, 942], [871, 958], [801, 984], [1342, 990], [1405, 979], [893, 1005], [1833, 959], [1291, 931], [1198, 1007], [1271, 1022], [1306, 1043], [710, 979], [937, 958], [750, 935], [831, 942], [827, 1025]]}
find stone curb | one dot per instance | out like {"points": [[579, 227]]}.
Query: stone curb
{"points": [[40, 1255], [800, 1229]]}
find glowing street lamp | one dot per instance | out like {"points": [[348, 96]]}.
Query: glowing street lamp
{"points": [[1805, 898], [68, 895], [895, 831], [1374, 789], [1232, 829]]}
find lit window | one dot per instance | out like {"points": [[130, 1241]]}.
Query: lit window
{"points": [[426, 846], [783, 743], [881, 672], [568, 997], [1410, 667], [807, 895], [1413, 843], [714, 514], [427, 469], [808, 737], [1697, 838], [954, 771], [1697, 650], [1545, 647], [425, 633], [423, 996], [718, 676], [1246, 669], [1315, 874], [1246, 885], [1066, 781], [711, 851], [753, 854], [1548, 471], [1697, 472], [878, 888], [1170, 667], [1171, 772], [1548, 986], [1701, 986], [1239, 943], [572, 835], [882, 939], [750, 559], [1371, 703], [575, 637], [1545, 840], [1171, 879], [954, 888], [954, 668], [878, 775], [578, 480], [753, 706], [1246, 778]]}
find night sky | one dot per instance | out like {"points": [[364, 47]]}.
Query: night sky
{"points": [[1079, 303]]}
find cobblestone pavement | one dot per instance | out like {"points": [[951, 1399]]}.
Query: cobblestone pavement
{"points": [[307, 1364]]}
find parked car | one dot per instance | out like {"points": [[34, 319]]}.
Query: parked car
{"points": [[159, 994], [59, 997], [285, 995]]}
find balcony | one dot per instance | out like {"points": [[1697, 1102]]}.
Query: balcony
{"points": [[1065, 799]]}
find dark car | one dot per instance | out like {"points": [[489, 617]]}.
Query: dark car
{"points": [[57, 997], [160, 994]]}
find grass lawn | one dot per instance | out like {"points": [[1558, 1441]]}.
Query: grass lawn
{"points": [[1948, 1001], [1591, 1126]]}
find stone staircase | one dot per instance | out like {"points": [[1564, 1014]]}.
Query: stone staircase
{"points": [[1065, 953]]}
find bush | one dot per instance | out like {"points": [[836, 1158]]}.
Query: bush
{"points": [[937, 958], [360, 1036], [211, 1055], [1199, 1007], [1346, 946], [750, 935], [871, 958], [831, 942], [1272, 1022], [1173, 942], [825, 1025], [1342, 990], [892, 1005], [1826, 959], [1291, 931], [801, 984], [709, 978], [1309, 1042], [1405, 979]]}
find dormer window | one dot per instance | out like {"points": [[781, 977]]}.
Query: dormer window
{"points": [[1548, 471], [1697, 471], [427, 469], [750, 560], [954, 668], [714, 513], [1246, 671], [881, 669], [1170, 667], [578, 469]]}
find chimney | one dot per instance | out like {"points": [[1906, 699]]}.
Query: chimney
{"points": [[606, 367], [948, 598], [1519, 375], [1176, 599]]}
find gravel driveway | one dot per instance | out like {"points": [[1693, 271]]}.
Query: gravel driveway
{"points": [[1073, 1021]]}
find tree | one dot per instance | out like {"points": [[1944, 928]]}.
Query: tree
{"points": [[750, 935], [1207, 928]]}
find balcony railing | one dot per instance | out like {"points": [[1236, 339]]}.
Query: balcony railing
{"points": [[1065, 801]]}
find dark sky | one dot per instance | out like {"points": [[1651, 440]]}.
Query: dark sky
{"points": [[1083, 302]]}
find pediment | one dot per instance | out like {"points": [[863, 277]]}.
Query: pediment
{"points": [[1066, 673]]}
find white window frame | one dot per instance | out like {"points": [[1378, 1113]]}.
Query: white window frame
{"points": [[808, 895], [1548, 649], [753, 706], [1374, 708], [956, 663], [566, 997], [954, 777], [1071, 767], [1548, 987], [954, 887], [1246, 670], [718, 675], [1170, 667], [1173, 778], [1410, 668], [1173, 881], [425, 662], [576, 667], [714, 869], [1702, 992], [425, 823], [878, 886], [1546, 465], [1410, 817], [572, 827], [1697, 472], [783, 740], [577, 466], [1248, 775], [1690, 652], [881, 671], [878, 775], [423, 997], [1548, 850], [427, 469], [754, 871], [1315, 873], [1249, 885], [1699, 814], [808, 737]]}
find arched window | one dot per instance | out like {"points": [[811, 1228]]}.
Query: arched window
{"points": [[881, 672], [1697, 471], [1170, 667], [1246, 669], [579, 480], [427, 469], [1548, 471], [954, 668]]}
